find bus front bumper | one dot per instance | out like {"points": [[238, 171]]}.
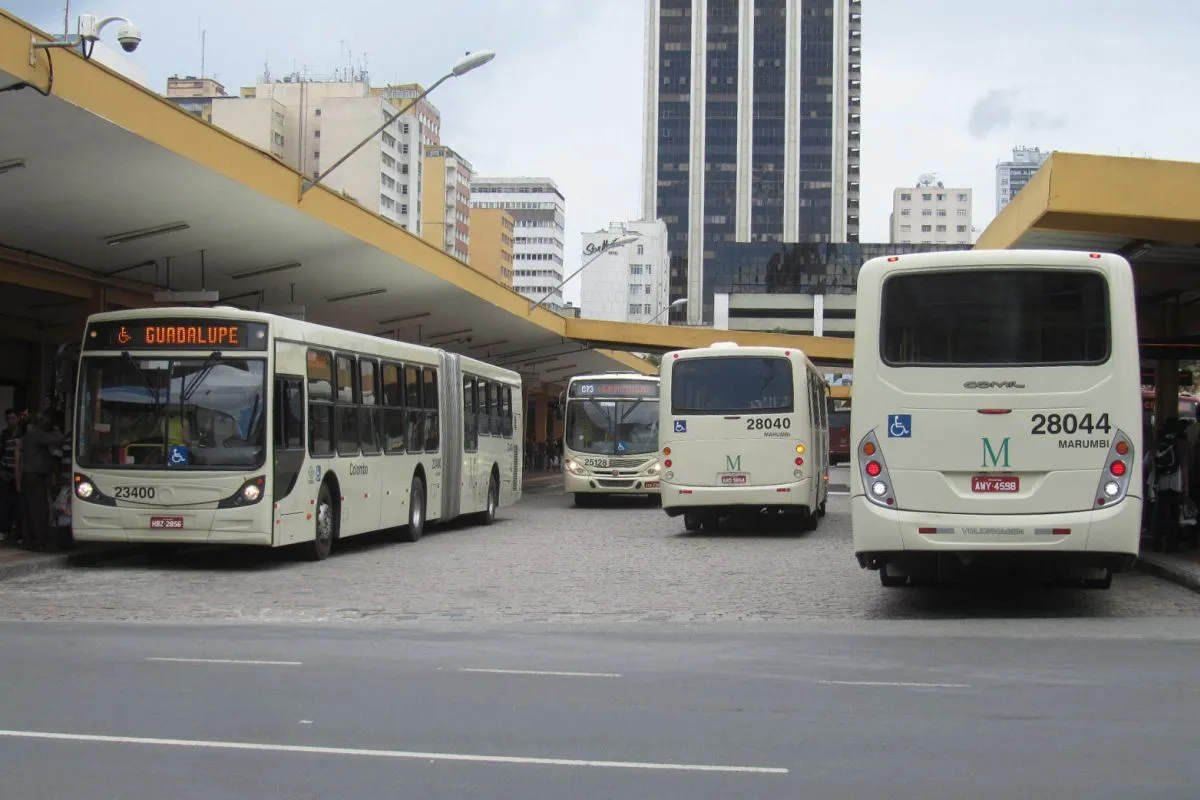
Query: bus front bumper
{"points": [[250, 525], [609, 484], [1115, 530], [678, 499]]}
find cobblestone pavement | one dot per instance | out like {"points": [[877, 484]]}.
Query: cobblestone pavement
{"points": [[545, 560]]}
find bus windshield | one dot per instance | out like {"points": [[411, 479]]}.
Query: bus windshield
{"points": [[157, 413], [732, 385], [612, 427], [995, 317]]}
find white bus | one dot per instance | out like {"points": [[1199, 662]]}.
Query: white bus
{"points": [[997, 414], [223, 426], [745, 432], [610, 439]]}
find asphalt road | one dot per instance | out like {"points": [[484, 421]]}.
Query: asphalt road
{"points": [[657, 711], [547, 561]]}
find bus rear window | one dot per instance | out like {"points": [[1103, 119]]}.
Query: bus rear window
{"points": [[839, 419], [1000, 317], [731, 385]]}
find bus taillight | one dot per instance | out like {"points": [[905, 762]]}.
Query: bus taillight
{"points": [[1117, 468], [873, 471], [1114, 481]]}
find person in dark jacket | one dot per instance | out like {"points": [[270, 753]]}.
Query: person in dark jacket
{"points": [[37, 470]]}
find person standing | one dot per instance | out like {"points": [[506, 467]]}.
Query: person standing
{"points": [[1172, 468], [10, 442], [36, 470]]}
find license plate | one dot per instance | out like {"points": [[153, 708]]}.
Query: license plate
{"points": [[734, 478], [651, 484], [167, 523], [991, 484]]}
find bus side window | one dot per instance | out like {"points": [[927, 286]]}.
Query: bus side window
{"points": [[432, 426], [345, 411], [506, 410], [470, 422], [289, 413], [370, 415], [393, 414], [414, 439], [481, 409], [320, 403], [494, 409]]}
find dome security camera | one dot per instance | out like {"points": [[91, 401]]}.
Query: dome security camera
{"points": [[129, 36]]}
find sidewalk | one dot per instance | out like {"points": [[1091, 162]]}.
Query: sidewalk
{"points": [[1180, 568], [15, 562], [537, 479]]}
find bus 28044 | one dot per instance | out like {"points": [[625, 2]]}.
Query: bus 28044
{"points": [[223, 426], [996, 415], [744, 434]]}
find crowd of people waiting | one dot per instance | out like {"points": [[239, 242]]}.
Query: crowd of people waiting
{"points": [[1171, 471], [35, 486]]}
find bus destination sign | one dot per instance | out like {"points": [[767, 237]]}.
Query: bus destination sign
{"points": [[614, 389], [193, 333]]}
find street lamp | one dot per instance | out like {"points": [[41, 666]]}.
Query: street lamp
{"points": [[620, 241], [468, 63], [674, 304]]}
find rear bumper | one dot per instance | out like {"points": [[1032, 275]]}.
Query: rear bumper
{"points": [[1111, 531], [600, 484], [678, 499]]}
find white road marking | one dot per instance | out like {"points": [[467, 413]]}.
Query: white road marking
{"points": [[899, 683], [228, 661], [398, 754], [545, 672], [839, 494]]}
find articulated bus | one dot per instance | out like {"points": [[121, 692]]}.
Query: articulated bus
{"points": [[996, 415], [610, 442], [223, 426], [745, 433]]}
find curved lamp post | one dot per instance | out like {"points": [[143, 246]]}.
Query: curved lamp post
{"points": [[620, 241]]}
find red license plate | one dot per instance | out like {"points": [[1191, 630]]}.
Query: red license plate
{"points": [[992, 484], [167, 523]]}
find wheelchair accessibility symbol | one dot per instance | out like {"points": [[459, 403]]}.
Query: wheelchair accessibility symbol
{"points": [[178, 456], [899, 426], [681, 426]]}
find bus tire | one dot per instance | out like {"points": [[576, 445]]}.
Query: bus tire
{"points": [[325, 524], [691, 522], [493, 501], [415, 528], [584, 500], [891, 581], [1099, 583]]}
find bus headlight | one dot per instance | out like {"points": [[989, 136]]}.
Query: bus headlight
{"points": [[84, 489], [574, 468], [250, 493], [655, 468]]}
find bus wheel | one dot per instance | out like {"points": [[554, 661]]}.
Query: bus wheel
{"points": [[493, 501], [1099, 583], [325, 523], [691, 523], [584, 500], [416, 511], [891, 581]]}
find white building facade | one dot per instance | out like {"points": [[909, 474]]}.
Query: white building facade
{"points": [[930, 213], [629, 283], [1011, 176], [539, 223]]}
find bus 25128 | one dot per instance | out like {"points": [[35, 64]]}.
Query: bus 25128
{"points": [[610, 442], [223, 426]]}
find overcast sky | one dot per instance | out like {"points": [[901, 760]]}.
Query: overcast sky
{"points": [[948, 87]]}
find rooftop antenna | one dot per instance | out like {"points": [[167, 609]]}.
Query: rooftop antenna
{"points": [[67, 18], [203, 45]]}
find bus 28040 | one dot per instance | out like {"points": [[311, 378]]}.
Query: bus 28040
{"points": [[745, 434], [996, 415], [610, 442], [223, 426]]}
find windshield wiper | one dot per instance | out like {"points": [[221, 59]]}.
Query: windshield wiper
{"points": [[185, 393]]}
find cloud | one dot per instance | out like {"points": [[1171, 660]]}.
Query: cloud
{"points": [[992, 112]]}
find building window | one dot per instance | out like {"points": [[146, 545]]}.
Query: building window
{"points": [[904, 212], [926, 228], [641, 249], [962, 228], [905, 228], [926, 212], [927, 197], [963, 197], [905, 197], [941, 228], [635, 308], [962, 212], [941, 212]]}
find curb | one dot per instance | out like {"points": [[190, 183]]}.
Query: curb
{"points": [[1175, 570], [89, 558]]}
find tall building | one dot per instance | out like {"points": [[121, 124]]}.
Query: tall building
{"points": [[428, 118], [492, 241], [1011, 176], [629, 283], [310, 124], [752, 127], [447, 201], [539, 216], [930, 213]]}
